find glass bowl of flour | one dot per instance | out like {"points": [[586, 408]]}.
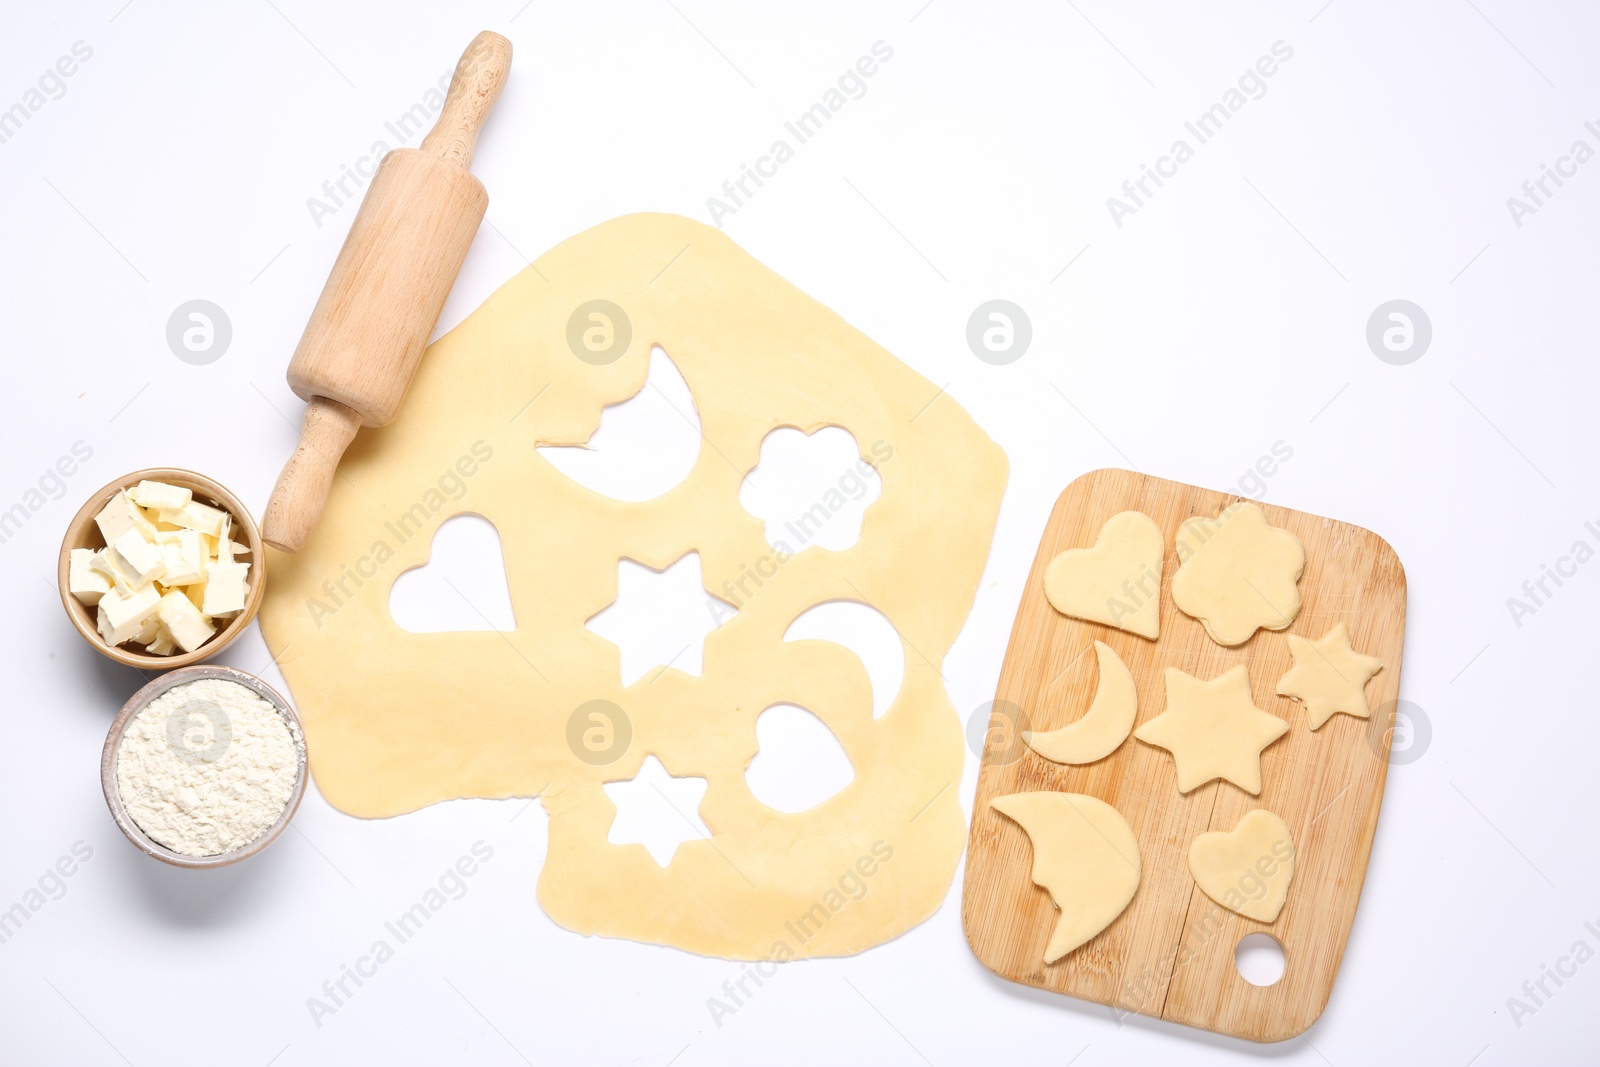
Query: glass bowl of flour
{"points": [[204, 766]]}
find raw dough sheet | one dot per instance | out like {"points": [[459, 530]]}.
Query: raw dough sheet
{"points": [[395, 720]]}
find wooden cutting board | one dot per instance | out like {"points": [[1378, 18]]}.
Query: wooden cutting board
{"points": [[1171, 953]]}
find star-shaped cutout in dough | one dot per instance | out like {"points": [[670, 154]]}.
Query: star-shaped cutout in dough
{"points": [[660, 618], [658, 811], [1329, 676], [1213, 729]]}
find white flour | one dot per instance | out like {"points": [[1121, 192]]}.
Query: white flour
{"points": [[207, 766]]}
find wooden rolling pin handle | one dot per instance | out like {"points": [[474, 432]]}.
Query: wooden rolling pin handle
{"points": [[302, 488], [479, 77]]}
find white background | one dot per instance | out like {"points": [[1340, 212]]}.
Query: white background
{"points": [[1226, 315]]}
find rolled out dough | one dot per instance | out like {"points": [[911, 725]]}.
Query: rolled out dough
{"points": [[395, 720]]}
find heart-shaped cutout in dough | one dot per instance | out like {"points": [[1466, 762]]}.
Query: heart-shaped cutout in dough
{"points": [[1246, 869], [1116, 582]]}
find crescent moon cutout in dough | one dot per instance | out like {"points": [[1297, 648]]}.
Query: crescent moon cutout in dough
{"points": [[1084, 855], [1104, 726]]}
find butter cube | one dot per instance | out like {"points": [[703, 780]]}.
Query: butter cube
{"points": [[184, 557], [225, 588], [83, 581], [119, 516], [109, 562], [195, 516], [120, 617], [148, 632], [138, 561], [163, 644], [159, 495], [186, 625]]}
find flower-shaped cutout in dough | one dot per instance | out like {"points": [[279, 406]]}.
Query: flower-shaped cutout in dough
{"points": [[1213, 729], [1238, 574], [1329, 676]]}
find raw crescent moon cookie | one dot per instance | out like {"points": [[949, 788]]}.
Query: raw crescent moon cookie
{"points": [[1238, 574], [1116, 582], [1084, 855], [397, 720], [1103, 727], [1247, 869]]}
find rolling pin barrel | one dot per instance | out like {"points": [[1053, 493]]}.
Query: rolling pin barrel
{"points": [[393, 275], [383, 297]]}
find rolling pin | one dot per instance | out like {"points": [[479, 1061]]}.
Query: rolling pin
{"points": [[385, 292]]}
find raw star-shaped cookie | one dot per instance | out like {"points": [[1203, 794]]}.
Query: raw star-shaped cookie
{"points": [[1213, 729], [1118, 581], [1247, 869], [1329, 676], [1238, 574]]}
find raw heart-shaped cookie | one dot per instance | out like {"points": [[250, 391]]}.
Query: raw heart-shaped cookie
{"points": [[1118, 581], [1247, 869]]}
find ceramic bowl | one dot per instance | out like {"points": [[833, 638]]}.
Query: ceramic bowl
{"points": [[82, 532], [108, 766]]}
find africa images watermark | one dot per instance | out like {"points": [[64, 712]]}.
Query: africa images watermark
{"points": [[1538, 591], [1536, 992], [49, 886], [1251, 886], [1251, 85], [49, 486], [451, 885], [50, 85], [736, 192], [1537, 191], [851, 886], [451, 486], [411, 124]]}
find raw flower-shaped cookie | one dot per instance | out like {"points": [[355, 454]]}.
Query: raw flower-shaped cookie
{"points": [[1238, 574], [1213, 729], [1329, 676]]}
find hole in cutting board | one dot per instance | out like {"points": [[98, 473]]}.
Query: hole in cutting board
{"points": [[462, 586], [645, 445], [810, 490], [1259, 958], [656, 810], [799, 763], [660, 618], [864, 630]]}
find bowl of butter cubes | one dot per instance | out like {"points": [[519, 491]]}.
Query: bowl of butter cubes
{"points": [[162, 569]]}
